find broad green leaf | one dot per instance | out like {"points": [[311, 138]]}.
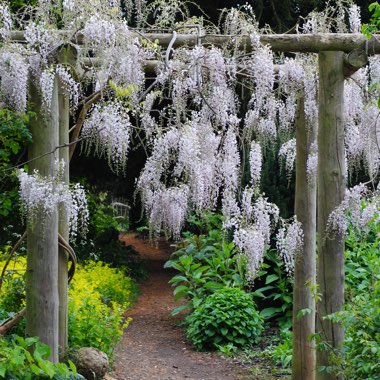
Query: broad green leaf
{"points": [[270, 312], [179, 309], [271, 278]]}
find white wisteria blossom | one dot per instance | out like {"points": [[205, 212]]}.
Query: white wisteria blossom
{"points": [[47, 87], [167, 209], [42, 195], [287, 153], [108, 132], [353, 209], [312, 163], [69, 84], [290, 239], [354, 18], [197, 163], [14, 79], [255, 163], [251, 243], [253, 228], [41, 41], [6, 21]]}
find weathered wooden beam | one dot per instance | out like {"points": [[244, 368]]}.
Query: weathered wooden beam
{"points": [[353, 61], [296, 43], [304, 358], [331, 190], [42, 299]]}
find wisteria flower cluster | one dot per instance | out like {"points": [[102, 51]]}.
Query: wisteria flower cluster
{"points": [[47, 79], [288, 155], [6, 21], [69, 85], [42, 195], [290, 239], [255, 163], [108, 132], [255, 225], [14, 79], [167, 210], [355, 209]]}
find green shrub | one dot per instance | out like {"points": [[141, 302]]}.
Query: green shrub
{"points": [[280, 352], [26, 359], [98, 298], [12, 295], [361, 317], [272, 290], [226, 317], [205, 264]]}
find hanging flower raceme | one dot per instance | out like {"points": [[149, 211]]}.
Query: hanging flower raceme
{"points": [[108, 131], [69, 85], [253, 230], [230, 162], [251, 243], [6, 21], [255, 163], [167, 209], [354, 209], [14, 79], [41, 41], [42, 195], [119, 54], [197, 162], [354, 19], [99, 33], [290, 244], [47, 87], [158, 163], [287, 153]]}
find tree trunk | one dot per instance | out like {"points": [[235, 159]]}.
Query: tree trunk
{"points": [[305, 266], [331, 189], [63, 226], [42, 259]]}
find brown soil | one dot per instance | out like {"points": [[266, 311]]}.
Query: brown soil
{"points": [[154, 346]]}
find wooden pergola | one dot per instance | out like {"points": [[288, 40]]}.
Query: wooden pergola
{"points": [[340, 55]]}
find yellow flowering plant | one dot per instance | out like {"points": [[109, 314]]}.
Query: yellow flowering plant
{"points": [[98, 298]]}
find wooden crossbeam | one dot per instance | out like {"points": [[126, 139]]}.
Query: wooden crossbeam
{"points": [[296, 43]]}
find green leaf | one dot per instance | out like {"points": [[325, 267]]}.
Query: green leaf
{"points": [[3, 369], [224, 331], [180, 288], [36, 370], [72, 367], [269, 312], [179, 309], [47, 367], [271, 278], [304, 312]]}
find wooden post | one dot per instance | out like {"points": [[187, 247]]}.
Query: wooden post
{"points": [[42, 258], [331, 189], [303, 367], [63, 226]]}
